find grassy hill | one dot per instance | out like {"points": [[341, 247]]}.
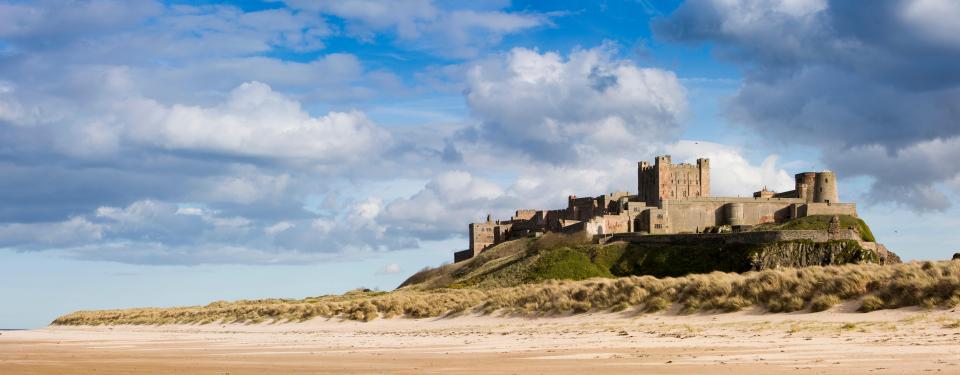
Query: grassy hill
{"points": [[569, 257]]}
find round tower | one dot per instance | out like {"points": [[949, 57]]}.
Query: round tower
{"points": [[805, 185], [826, 188], [734, 214]]}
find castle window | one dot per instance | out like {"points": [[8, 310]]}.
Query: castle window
{"points": [[658, 226]]}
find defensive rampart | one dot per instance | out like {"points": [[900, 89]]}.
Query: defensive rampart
{"points": [[750, 238]]}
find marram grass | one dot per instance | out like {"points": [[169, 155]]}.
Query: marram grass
{"points": [[926, 284]]}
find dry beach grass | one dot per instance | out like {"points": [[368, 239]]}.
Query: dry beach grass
{"points": [[924, 284]]}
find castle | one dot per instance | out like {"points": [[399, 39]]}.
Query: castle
{"points": [[671, 198]]}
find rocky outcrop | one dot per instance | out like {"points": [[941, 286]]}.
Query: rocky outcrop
{"points": [[803, 253]]}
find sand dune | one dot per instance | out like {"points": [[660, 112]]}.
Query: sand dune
{"points": [[835, 342]]}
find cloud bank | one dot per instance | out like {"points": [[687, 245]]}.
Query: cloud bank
{"points": [[875, 87]]}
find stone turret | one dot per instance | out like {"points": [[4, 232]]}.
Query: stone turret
{"points": [[817, 187], [826, 188]]}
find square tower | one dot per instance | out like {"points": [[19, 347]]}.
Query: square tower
{"points": [[665, 181]]}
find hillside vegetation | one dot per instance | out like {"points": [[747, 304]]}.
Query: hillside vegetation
{"points": [[571, 257], [926, 284]]}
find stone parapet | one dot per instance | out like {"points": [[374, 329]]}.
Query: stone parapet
{"points": [[753, 238]]}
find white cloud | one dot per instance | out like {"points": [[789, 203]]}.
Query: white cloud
{"points": [[389, 269], [52, 19], [334, 77], [557, 110], [245, 185], [465, 33], [194, 211], [278, 228], [912, 174], [368, 209], [421, 24], [372, 15], [731, 173], [254, 121], [45, 235], [157, 232], [444, 205], [936, 19]]}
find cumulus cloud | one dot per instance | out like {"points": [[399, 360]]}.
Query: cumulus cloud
{"points": [[256, 121], [731, 173], [444, 206], [916, 173], [850, 78], [557, 109]]}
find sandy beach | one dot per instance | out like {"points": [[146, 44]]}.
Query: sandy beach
{"points": [[900, 341]]}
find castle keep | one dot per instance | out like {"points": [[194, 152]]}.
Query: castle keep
{"points": [[671, 198]]}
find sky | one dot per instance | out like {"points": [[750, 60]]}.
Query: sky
{"points": [[164, 153]]}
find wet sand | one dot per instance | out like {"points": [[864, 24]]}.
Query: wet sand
{"points": [[836, 342]]}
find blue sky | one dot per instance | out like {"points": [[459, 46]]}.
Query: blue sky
{"points": [[172, 153]]}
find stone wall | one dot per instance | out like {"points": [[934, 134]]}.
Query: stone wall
{"points": [[696, 214], [463, 255], [829, 209], [607, 224], [751, 238]]}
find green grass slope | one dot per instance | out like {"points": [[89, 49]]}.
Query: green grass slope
{"points": [[570, 257]]}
